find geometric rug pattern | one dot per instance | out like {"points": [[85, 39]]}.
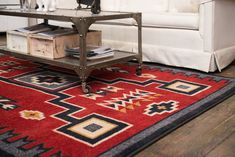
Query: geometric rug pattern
{"points": [[45, 113]]}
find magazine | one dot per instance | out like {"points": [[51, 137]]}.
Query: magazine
{"points": [[37, 28], [107, 54], [93, 52], [58, 32]]}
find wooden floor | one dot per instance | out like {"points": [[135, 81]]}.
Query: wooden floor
{"points": [[212, 134]]}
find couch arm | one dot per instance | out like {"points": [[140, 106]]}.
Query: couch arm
{"points": [[217, 24]]}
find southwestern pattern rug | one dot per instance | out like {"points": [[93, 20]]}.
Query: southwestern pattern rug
{"points": [[44, 113]]}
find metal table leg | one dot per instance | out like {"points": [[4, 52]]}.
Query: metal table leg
{"points": [[82, 26], [138, 18]]}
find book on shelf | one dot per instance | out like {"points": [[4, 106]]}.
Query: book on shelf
{"points": [[100, 56], [93, 52]]}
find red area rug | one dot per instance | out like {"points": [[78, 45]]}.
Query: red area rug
{"points": [[44, 113]]}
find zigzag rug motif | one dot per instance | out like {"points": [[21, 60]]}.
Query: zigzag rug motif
{"points": [[44, 113]]}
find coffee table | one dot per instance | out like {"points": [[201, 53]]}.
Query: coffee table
{"points": [[82, 20]]}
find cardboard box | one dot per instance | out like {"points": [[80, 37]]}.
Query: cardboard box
{"points": [[17, 40], [52, 45]]}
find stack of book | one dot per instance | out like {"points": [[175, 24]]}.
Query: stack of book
{"points": [[92, 52]]}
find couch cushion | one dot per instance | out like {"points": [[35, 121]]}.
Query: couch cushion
{"points": [[172, 20], [164, 20], [146, 6], [69, 4], [110, 5], [187, 6]]}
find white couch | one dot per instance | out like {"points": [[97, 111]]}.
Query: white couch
{"points": [[197, 34]]}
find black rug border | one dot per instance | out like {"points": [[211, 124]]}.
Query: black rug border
{"points": [[5, 154], [126, 149]]}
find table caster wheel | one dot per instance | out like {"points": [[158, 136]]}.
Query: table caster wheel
{"points": [[138, 71], [86, 88]]}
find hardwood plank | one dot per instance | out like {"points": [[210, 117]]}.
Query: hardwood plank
{"points": [[199, 136], [228, 72], [205, 143], [149, 155], [225, 149]]}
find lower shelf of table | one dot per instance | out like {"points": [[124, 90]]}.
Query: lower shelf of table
{"points": [[72, 62]]}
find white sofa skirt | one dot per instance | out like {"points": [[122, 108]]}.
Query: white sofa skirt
{"points": [[175, 47]]}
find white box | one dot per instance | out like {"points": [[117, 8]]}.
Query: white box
{"points": [[54, 47], [17, 40]]}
